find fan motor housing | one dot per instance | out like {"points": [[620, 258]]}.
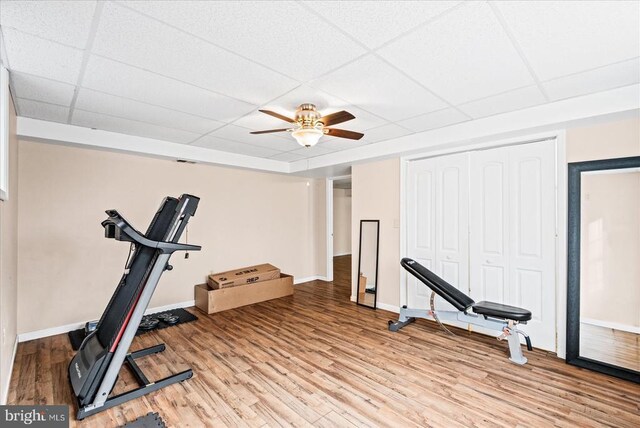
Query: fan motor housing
{"points": [[307, 115]]}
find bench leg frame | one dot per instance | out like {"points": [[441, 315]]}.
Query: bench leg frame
{"points": [[409, 315]]}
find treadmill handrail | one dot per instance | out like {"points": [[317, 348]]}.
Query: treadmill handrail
{"points": [[117, 221]]}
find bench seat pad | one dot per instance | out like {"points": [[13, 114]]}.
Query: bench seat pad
{"points": [[497, 310]]}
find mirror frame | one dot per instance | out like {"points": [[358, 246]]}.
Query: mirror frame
{"points": [[375, 296], [573, 266]]}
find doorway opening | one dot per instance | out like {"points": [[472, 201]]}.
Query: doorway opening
{"points": [[339, 231]]}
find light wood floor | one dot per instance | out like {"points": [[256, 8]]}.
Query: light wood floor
{"points": [[317, 359], [616, 347]]}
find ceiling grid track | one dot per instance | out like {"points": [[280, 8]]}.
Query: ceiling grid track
{"points": [[95, 21], [375, 54], [516, 46], [206, 41], [405, 70]]}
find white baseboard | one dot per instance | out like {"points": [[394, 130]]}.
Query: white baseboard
{"points": [[383, 306], [341, 254], [387, 307], [309, 279], [186, 304], [5, 387], [38, 334], [612, 325]]}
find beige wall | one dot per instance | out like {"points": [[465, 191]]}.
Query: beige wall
{"points": [[68, 270], [619, 302], [9, 261], [376, 196], [614, 139], [341, 222]]}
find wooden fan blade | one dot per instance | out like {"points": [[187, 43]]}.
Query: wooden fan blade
{"points": [[268, 131], [278, 115], [335, 118], [343, 133]]}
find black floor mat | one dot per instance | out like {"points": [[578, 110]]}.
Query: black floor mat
{"points": [[150, 420], [77, 336]]}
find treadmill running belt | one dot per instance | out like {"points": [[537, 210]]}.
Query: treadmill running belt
{"points": [[131, 284]]}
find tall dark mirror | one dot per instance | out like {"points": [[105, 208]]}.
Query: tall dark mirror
{"points": [[603, 295], [367, 280]]}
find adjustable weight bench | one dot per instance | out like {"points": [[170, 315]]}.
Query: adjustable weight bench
{"points": [[494, 316], [94, 369]]}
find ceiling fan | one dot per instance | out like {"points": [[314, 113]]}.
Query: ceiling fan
{"points": [[309, 125]]}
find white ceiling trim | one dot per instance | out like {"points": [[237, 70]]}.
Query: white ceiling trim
{"points": [[42, 130], [547, 115]]}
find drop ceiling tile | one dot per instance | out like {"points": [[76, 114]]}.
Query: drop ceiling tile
{"points": [[338, 144], [374, 86], [210, 142], [132, 38], [41, 89], [36, 56], [434, 120], [287, 157], [129, 82], [98, 102], [325, 103], [464, 55], [42, 111], [385, 132], [282, 35], [564, 37], [310, 152], [609, 77], [275, 143], [375, 22], [281, 141], [508, 101], [257, 121], [269, 141], [66, 22], [130, 127], [236, 133]]}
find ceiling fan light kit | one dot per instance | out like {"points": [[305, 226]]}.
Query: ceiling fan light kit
{"points": [[307, 137], [309, 125]]}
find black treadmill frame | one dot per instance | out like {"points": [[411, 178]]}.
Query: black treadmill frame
{"points": [[103, 352], [145, 386]]}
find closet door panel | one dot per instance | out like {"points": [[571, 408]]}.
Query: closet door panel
{"points": [[421, 212], [489, 230], [452, 227], [532, 237]]}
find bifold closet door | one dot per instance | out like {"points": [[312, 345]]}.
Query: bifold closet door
{"points": [[437, 215], [512, 239]]}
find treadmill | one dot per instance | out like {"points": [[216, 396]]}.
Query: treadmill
{"points": [[94, 369]]}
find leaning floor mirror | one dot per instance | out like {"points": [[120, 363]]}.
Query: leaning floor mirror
{"points": [[603, 290], [367, 280]]}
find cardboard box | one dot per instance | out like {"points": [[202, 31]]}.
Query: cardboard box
{"points": [[242, 276], [362, 286], [211, 301]]}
